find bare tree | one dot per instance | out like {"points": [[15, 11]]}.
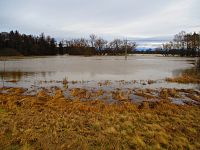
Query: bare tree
{"points": [[128, 44], [179, 40], [116, 44], [100, 43], [168, 46], [182, 35], [82, 42], [93, 38]]}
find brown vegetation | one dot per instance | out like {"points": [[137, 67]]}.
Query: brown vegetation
{"points": [[184, 79], [145, 93], [53, 122], [188, 76]]}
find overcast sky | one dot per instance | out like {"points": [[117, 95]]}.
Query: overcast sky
{"points": [[107, 18]]}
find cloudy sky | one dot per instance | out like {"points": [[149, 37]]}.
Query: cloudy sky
{"points": [[137, 19]]}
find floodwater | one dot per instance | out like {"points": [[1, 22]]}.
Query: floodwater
{"points": [[28, 71]]}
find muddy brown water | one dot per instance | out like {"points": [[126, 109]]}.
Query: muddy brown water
{"points": [[32, 71]]}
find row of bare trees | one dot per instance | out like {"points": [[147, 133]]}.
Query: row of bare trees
{"points": [[184, 44], [101, 46]]}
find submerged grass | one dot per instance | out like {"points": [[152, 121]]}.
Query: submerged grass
{"points": [[188, 76], [53, 122]]}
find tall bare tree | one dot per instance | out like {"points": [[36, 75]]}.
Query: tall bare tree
{"points": [[100, 43], [93, 38], [116, 44]]}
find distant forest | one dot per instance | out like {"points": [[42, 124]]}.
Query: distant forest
{"points": [[22, 44], [14, 43]]}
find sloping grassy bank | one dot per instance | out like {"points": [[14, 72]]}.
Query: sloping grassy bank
{"points": [[53, 122]]}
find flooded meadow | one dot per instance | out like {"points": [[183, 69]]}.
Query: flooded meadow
{"points": [[107, 78], [63, 102], [96, 68]]}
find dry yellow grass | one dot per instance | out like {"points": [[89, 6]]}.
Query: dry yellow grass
{"points": [[144, 93], [32, 122], [184, 79]]}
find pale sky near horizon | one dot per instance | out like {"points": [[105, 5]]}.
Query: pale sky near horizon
{"points": [[106, 18]]}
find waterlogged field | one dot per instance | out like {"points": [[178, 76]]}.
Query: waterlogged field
{"points": [[99, 74], [101, 102], [29, 71], [95, 68]]}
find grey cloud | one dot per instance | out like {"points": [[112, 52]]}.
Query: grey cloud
{"points": [[109, 18]]}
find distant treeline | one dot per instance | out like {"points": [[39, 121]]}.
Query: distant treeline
{"points": [[96, 45], [183, 44], [27, 44], [13, 43]]}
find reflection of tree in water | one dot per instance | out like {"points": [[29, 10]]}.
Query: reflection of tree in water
{"points": [[198, 64], [177, 72], [19, 76], [15, 75], [43, 74], [12, 75]]}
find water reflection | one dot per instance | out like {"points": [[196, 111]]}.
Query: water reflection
{"points": [[177, 72], [197, 64], [14, 75], [18, 76]]}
